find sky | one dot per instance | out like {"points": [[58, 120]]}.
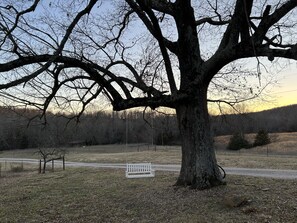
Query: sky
{"points": [[281, 94], [286, 91]]}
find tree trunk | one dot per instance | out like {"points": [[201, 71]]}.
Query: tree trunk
{"points": [[199, 168], [44, 165]]}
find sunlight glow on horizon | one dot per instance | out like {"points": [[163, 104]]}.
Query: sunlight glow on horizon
{"points": [[286, 92]]}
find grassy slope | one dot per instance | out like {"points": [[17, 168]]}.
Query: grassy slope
{"points": [[281, 144]]}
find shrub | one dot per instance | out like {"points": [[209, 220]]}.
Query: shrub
{"points": [[262, 138], [237, 141]]}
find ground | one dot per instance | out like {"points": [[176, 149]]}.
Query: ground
{"points": [[99, 195]]}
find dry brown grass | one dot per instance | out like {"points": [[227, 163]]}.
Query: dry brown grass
{"points": [[281, 144], [98, 195], [174, 157], [257, 161], [282, 153], [159, 156]]}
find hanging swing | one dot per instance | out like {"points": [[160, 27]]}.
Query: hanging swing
{"points": [[137, 170]]}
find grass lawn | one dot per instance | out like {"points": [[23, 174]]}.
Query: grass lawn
{"points": [[282, 153], [99, 195], [164, 155]]}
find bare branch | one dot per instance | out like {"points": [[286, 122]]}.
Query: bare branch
{"points": [[19, 14], [211, 22], [239, 25], [269, 20], [164, 6], [140, 84], [153, 25]]}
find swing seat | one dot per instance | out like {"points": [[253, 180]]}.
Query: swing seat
{"points": [[139, 170]]}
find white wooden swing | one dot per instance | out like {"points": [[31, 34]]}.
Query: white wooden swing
{"points": [[138, 170]]}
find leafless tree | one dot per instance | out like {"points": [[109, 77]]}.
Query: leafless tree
{"points": [[140, 53], [50, 155]]}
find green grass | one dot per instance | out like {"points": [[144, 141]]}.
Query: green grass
{"points": [[99, 195]]}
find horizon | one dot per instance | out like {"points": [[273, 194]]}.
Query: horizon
{"points": [[282, 93]]}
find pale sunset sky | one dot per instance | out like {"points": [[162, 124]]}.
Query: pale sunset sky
{"points": [[281, 94], [285, 92]]}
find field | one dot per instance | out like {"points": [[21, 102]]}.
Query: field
{"points": [[99, 195], [280, 154]]}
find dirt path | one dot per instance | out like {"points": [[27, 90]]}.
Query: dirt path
{"points": [[270, 173]]}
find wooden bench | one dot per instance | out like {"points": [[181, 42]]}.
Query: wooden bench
{"points": [[138, 170]]}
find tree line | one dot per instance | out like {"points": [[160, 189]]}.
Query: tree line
{"points": [[18, 132], [282, 119], [24, 131]]}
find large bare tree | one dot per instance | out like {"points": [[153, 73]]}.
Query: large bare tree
{"points": [[140, 53]]}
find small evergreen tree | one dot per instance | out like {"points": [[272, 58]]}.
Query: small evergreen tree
{"points": [[237, 141], [262, 138]]}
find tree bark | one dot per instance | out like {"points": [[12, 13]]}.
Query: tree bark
{"points": [[199, 168], [44, 165]]}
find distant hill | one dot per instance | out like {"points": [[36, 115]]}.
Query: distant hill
{"points": [[282, 119], [17, 131], [281, 144]]}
